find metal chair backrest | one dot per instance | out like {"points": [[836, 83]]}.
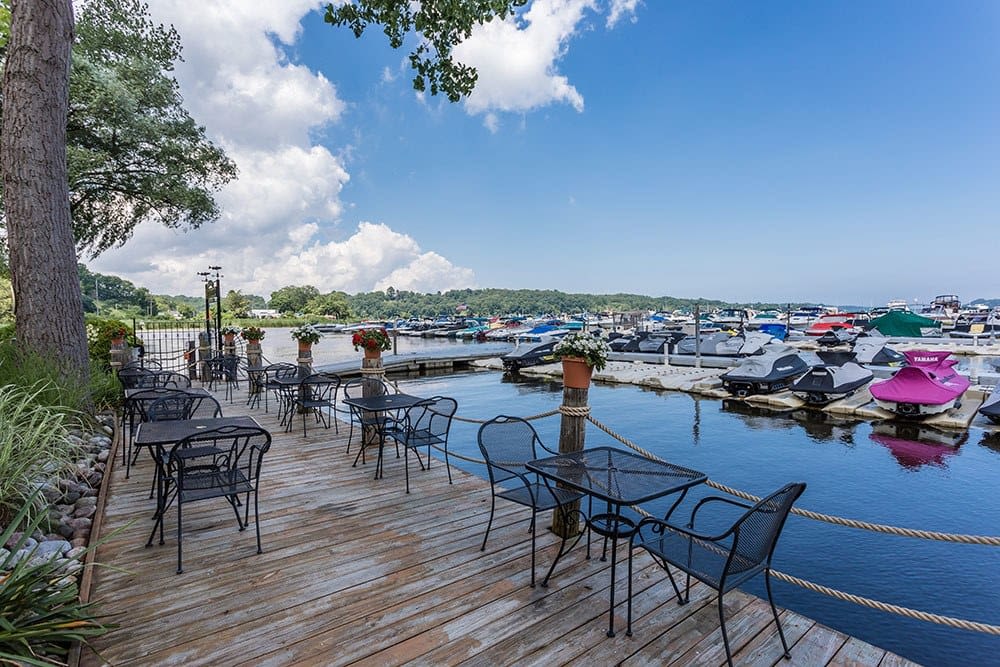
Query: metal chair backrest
{"points": [[509, 442], [134, 377], [229, 448], [172, 379], [363, 386], [435, 416], [756, 533], [183, 406], [320, 386]]}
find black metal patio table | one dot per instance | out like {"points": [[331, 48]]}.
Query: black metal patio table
{"points": [[620, 478], [158, 435], [382, 403]]}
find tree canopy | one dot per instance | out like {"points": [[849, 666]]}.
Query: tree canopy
{"points": [[134, 152], [440, 27]]}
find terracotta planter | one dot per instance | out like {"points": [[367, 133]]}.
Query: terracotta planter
{"points": [[372, 354], [118, 340], [304, 346], [229, 338], [253, 341], [576, 373]]}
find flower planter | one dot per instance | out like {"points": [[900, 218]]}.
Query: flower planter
{"points": [[229, 338], [576, 373], [253, 341], [304, 346], [118, 340], [373, 354]]}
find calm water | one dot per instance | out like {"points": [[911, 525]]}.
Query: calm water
{"points": [[904, 477]]}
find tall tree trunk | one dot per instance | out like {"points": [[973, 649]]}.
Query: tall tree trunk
{"points": [[48, 307]]}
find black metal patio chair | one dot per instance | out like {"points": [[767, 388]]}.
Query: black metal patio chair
{"points": [[176, 406], [722, 561], [221, 463], [507, 443], [425, 425], [134, 411], [358, 388], [265, 383], [315, 394], [225, 369]]}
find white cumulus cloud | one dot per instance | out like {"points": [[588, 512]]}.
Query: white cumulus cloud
{"points": [[280, 220]]}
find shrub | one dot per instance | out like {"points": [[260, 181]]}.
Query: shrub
{"points": [[33, 442], [40, 609]]}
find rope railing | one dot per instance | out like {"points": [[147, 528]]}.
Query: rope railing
{"points": [[959, 538]]}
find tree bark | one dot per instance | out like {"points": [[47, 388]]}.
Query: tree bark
{"points": [[48, 307]]}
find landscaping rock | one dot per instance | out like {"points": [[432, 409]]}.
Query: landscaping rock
{"points": [[84, 512], [76, 552], [87, 501]]}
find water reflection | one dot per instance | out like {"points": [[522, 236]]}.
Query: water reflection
{"points": [[915, 445], [991, 441], [825, 427]]}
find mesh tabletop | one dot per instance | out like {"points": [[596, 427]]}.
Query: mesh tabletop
{"points": [[616, 475], [171, 431], [143, 392], [385, 402]]}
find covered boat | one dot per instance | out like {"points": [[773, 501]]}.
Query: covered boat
{"points": [[529, 355], [875, 352], [991, 408], [835, 337], [837, 377], [929, 385], [725, 345], [765, 373], [905, 323]]}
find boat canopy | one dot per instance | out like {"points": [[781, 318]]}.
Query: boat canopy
{"points": [[903, 323]]}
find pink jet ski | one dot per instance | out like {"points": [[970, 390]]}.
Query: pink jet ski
{"points": [[928, 386]]}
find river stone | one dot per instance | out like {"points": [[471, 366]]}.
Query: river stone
{"points": [[87, 501], [95, 478], [79, 542], [71, 496], [65, 530], [80, 523], [28, 543], [84, 512], [74, 440], [4, 553], [103, 455], [51, 493], [76, 552], [56, 547]]}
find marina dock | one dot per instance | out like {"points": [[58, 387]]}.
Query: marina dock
{"points": [[354, 571]]}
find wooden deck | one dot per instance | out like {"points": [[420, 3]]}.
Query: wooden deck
{"points": [[356, 571]]}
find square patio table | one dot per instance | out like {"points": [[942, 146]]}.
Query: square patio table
{"points": [[620, 478], [382, 403]]}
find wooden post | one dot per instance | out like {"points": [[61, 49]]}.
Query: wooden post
{"points": [[191, 360], [372, 372], [120, 355], [572, 433], [204, 354], [254, 361]]}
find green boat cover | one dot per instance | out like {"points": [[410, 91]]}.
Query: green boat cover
{"points": [[904, 323]]}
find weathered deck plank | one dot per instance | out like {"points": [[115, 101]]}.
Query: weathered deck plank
{"points": [[355, 571]]}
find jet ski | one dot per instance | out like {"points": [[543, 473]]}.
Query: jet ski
{"points": [[529, 355], [765, 373], [722, 344], [838, 376], [991, 407], [837, 337], [653, 342], [927, 386], [873, 352]]}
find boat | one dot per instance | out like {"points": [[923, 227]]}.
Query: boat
{"points": [[929, 385], [732, 318], [871, 351], [765, 373], [722, 344], [905, 324], [944, 309], [835, 321], [529, 355], [991, 407], [804, 316], [837, 377]]}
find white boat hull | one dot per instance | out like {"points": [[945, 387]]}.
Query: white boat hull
{"points": [[916, 409]]}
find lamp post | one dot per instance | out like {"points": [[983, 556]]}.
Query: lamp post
{"points": [[208, 318], [218, 305]]}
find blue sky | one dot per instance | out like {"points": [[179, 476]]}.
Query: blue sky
{"points": [[806, 151]]}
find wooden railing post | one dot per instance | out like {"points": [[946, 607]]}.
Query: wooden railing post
{"points": [[372, 371], [572, 434]]}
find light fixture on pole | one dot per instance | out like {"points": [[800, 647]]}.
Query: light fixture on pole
{"points": [[218, 306]]}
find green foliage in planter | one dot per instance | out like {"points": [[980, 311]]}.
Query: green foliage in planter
{"points": [[99, 335], [40, 609], [33, 442]]}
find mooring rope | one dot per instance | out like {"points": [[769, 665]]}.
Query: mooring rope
{"points": [[987, 540]]}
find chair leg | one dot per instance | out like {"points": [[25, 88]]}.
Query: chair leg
{"points": [[489, 524], [256, 519], [533, 547], [406, 466], [628, 604], [767, 583], [447, 465], [722, 624], [179, 504]]}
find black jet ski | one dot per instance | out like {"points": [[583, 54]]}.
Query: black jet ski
{"points": [[722, 344], [765, 373], [838, 376], [529, 355], [874, 352], [837, 337], [991, 408]]}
